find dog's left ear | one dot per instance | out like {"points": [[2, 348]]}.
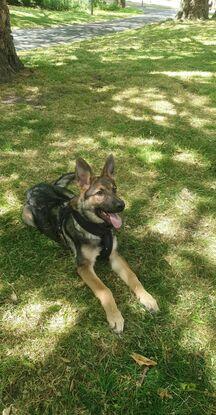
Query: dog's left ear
{"points": [[109, 167], [83, 173]]}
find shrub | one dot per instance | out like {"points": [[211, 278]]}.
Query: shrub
{"points": [[109, 6], [50, 4]]}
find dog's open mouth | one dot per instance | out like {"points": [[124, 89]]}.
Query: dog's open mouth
{"points": [[112, 218]]}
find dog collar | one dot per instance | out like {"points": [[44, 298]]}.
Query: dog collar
{"points": [[103, 230]]}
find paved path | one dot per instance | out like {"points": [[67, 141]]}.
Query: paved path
{"points": [[25, 39]]}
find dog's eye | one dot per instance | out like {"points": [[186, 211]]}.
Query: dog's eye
{"points": [[100, 192]]}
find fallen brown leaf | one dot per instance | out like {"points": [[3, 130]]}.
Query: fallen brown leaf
{"points": [[164, 394], [142, 360], [65, 360]]}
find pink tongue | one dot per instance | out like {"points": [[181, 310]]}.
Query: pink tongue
{"points": [[115, 220]]}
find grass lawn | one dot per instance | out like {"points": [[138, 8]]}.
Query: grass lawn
{"points": [[148, 97], [26, 17]]}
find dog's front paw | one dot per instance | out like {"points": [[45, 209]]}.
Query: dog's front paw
{"points": [[149, 302], [116, 321]]}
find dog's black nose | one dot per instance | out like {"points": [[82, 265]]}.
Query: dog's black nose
{"points": [[120, 205]]}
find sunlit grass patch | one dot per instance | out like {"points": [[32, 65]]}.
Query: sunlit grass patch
{"points": [[148, 97], [29, 17], [35, 328]]}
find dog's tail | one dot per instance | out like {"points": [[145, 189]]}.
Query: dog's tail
{"points": [[65, 180]]}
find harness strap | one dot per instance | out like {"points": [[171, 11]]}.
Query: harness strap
{"points": [[103, 230]]}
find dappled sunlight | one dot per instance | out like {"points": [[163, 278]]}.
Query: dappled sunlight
{"points": [[101, 88], [150, 156], [210, 184], [131, 57], [180, 265], [142, 141], [9, 202], [63, 320], [205, 238], [190, 158], [146, 97], [64, 145], [37, 327], [25, 319], [24, 13], [186, 202], [129, 112], [140, 101], [208, 42], [180, 211], [197, 122], [8, 179], [197, 336], [30, 95], [199, 113], [205, 40], [144, 105], [28, 154], [160, 120], [185, 75], [168, 227], [61, 60], [193, 307]]}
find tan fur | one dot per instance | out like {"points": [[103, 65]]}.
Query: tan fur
{"points": [[100, 290], [97, 198], [120, 266], [27, 216]]}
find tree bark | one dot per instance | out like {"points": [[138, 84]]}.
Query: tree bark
{"points": [[9, 61], [123, 3], [193, 9]]}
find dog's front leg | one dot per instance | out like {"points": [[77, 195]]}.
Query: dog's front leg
{"points": [[105, 296], [120, 266]]}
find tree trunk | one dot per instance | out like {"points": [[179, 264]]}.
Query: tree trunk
{"points": [[92, 7], [9, 61], [213, 7], [193, 9]]}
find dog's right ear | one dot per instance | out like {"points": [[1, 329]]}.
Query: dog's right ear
{"points": [[83, 173], [109, 167]]}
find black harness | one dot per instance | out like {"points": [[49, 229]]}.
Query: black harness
{"points": [[103, 230]]}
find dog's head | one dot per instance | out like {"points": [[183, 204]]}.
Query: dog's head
{"points": [[98, 199]]}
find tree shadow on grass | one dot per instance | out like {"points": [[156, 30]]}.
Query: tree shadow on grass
{"points": [[85, 360], [60, 356]]}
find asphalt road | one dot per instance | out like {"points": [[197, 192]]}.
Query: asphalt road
{"points": [[26, 39]]}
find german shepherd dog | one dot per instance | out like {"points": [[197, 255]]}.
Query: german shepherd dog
{"points": [[85, 223]]}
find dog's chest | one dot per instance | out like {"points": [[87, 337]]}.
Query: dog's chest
{"points": [[75, 236]]}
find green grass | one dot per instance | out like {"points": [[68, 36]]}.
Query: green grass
{"points": [[148, 97], [27, 17]]}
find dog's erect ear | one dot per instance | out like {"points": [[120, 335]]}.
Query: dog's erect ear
{"points": [[83, 173], [109, 167]]}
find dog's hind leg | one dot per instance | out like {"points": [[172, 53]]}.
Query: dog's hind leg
{"points": [[120, 266], [65, 180], [27, 216]]}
